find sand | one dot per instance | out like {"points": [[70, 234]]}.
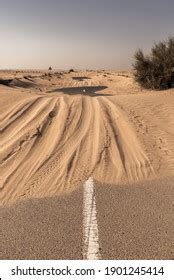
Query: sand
{"points": [[60, 128]]}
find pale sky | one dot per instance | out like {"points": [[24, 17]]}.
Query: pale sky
{"points": [[81, 34]]}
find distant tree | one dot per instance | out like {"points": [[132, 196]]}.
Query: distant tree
{"points": [[156, 70], [50, 68]]}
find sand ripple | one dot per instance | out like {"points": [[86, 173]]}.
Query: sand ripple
{"points": [[51, 145]]}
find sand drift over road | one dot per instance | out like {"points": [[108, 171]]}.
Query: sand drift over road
{"points": [[52, 144], [86, 166]]}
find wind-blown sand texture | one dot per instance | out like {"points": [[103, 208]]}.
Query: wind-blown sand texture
{"points": [[59, 129]]}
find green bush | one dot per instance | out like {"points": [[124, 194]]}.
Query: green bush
{"points": [[156, 70]]}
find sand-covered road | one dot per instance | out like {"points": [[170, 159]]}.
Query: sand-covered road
{"points": [[60, 129]]}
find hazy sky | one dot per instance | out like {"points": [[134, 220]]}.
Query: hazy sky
{"points": [[80, 33]]}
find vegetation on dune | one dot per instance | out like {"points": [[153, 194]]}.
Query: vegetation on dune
{"points": [[156, 70]]}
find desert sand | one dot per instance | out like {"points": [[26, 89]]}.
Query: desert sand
{"points": [[60, 128]]}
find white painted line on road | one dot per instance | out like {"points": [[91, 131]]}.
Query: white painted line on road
{"points": [[91, 249]]}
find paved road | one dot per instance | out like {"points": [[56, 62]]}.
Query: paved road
{"points": [[43, 229], [134, 222]]}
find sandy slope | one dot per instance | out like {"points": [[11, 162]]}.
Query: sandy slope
{"points": [[59, 129]]}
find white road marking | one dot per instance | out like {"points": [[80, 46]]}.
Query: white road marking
{"points": [[91, 249]]}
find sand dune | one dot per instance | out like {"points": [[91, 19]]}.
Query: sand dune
{"points": [[68, 127]]}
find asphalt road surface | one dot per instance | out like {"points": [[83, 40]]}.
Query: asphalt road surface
{"points": [[133, 222]]}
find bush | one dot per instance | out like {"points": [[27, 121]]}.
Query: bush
{"points": [[156, 70]]}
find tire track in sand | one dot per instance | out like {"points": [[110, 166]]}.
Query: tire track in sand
{"points": [[78, 137]]}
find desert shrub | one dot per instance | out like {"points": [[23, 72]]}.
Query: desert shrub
{"points": [[156, 70]]}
